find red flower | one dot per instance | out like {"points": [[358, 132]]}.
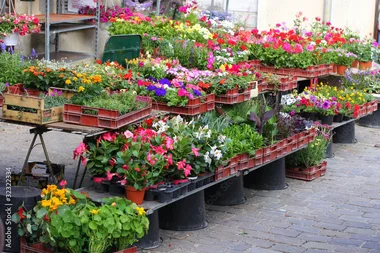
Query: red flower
{"points": [[215, 35], [149, 122], [21, 213], [231, 42], [243, 47], [220, 41], [46, 218], [137, 169]]}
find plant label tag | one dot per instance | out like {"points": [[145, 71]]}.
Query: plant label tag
{"points": [[254, 93]]}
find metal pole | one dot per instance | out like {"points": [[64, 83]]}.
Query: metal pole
{"points": [[158, 7], [47, 159], [27, 156], [227, 4], [327, 7], [97, 28], [47, 30]]}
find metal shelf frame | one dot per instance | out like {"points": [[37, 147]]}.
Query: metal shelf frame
{"points": [[75, 27]]}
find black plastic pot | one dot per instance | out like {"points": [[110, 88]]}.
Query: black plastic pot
{"points": [[187, 214], [338, 118], [326, 120], [116, 189], [150, 195], [10, 201], [372, 120], [310, 116], [227, 193], [268, 177], [345, 133], [152, 239]]}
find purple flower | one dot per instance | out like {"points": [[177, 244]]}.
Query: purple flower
{"points": [[197, 93], [3, 47], [152, 79], [292, 113], [326, 105], [160, 92], [151, 88], [164, 81], [313, 99]]}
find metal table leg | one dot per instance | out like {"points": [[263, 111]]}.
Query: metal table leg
{"points": [[47, 159], [27, 157], [76, 175]]}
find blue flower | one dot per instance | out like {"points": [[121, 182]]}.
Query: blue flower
{"points": [[160, 92], [151, 88], [164, 81], [182, 85], [197, 93], [152, 79]]}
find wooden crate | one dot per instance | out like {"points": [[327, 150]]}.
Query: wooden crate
{"points": [[67, 93], [39, 115]]}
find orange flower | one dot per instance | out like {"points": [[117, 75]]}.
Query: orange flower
{"points": [[222, 81], [61, 75]]}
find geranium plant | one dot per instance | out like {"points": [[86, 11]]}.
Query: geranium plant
{"points": [[22, 24]]}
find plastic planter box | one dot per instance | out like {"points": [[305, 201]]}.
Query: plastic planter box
{"points": [[308, 174], [104, 118], [194, 107]]}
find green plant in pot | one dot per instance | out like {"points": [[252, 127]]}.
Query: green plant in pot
{"points": [[314, 153]]}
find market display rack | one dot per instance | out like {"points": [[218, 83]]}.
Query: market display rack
{"points": [[54, 24]]}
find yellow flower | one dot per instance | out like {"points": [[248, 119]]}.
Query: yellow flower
{"points": [[94, 211], [52, 187], [140, 210], [72, 201], [222, 67], [45, 203], [68, 81], [79, 75], [80, 89], [75, 78]]}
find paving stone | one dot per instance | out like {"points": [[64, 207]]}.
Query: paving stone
{"points": [[316, 251], [360, 231], [343, 241], [287, 240], [356, 224], [372, 245], [330, 226], [261, 250], [319, 245], [353, 218], [285, 232], [366, 237], [307, 229], [286, 248], [314, 238]]}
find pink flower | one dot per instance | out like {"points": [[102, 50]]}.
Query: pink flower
{"points": [[82, 148], [287, 47], [310, 48], [151, 160], [298, 48], [108, 137], [128, 134], [182, 92], [181, 165], [112, 162], [114, 203], [83, 160], [169, 142], [63, 183], [187, 170], [195, 151], [110, 175], [122, 182], [170, 159], [159, 150], [124, 167], [154, 38]]}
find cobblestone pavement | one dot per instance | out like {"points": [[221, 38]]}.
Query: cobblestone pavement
{"points": [[339, 212]]}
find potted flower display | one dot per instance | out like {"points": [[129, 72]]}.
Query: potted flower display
{"points": [[307, 164], [12, 25]]}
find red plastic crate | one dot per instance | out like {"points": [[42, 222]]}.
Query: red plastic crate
{"points": [[105, 118], [189, 110], [308, 174]]}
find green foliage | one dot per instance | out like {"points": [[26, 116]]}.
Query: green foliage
{"points": [[314, 153], [11, 66], [243, 139]]}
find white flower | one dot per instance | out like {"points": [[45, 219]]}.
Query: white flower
{"points": [[207, 158], [221, 138], [208, 134], [218, 154]]}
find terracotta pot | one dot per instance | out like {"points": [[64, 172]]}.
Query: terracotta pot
{"points": [[365, 65], [340, 69], [355, 64], [334, 70], [134, 195]]}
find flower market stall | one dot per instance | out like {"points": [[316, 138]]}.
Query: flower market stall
{"points": [[205, 110]]}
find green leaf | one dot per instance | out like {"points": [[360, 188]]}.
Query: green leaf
{"points": [[93, 225]]}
